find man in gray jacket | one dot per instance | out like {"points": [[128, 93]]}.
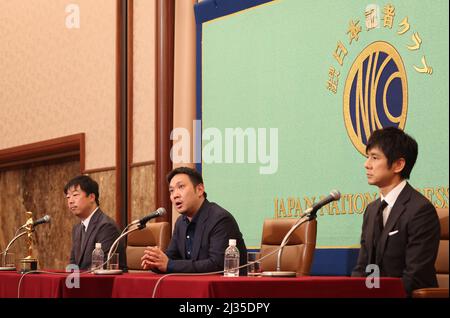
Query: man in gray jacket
{"points": [[95, 227]]}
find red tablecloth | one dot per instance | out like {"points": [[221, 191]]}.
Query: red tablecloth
{"points": [[142, 285], [54, 286]]}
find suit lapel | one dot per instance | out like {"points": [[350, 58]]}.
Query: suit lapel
{"points": [[372, 215], [397, 210], [182, 235], [199, 229], [91, 228], [77, 243]]}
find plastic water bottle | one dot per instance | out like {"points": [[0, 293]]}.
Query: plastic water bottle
{"points": [[97, 257], [231, 260]]}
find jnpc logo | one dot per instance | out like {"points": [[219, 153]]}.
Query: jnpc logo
{"points": [[376, 89]]}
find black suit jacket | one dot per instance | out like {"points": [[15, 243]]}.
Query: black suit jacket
{"points": [[408, 244], [215, 226], [101, 229]]}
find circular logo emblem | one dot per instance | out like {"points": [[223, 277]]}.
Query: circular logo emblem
{"points": [[375, 93]]}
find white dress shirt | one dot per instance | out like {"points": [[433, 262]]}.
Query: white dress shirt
{"points": [[390, 199], [86, 221]]}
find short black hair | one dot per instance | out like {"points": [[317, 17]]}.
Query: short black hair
{"points": [[195, 176], [86, 183], [395, 144]]}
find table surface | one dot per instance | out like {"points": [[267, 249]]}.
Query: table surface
{"points": [[145, 285]]}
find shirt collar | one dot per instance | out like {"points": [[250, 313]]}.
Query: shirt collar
{"points": [[392, 196], [197, 215], [86, 221]]}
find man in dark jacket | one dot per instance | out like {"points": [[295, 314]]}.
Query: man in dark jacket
{"points": [[201, 233], [400, 231]]}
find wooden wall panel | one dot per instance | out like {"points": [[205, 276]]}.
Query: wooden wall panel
{"points": [[107, 191], [38, 189], [142, 191]]}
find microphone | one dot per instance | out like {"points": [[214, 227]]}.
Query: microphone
{"points": [[334, 196], [145, 219], [45, 219]]}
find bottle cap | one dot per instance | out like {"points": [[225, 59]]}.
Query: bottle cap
{"points": [[98, 245], [232, 242]]}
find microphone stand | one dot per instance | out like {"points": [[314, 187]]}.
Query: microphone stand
{"points": [[5, 252], [311, 215], [112, 250]]}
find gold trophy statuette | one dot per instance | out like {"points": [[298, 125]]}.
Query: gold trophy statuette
{"points": [[29, 263]]}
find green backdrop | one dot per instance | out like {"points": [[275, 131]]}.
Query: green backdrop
{"points": [[268, 67]]}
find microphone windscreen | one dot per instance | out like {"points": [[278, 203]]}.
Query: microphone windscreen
{"points": [[335, 194], [161, 211]]}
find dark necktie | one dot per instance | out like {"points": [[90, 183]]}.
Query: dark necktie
{"points": [[82, 237], [378, 228]]}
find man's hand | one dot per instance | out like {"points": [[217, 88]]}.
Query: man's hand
{"points": [[154, 258]]}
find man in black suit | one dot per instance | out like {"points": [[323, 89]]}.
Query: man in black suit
{"points": [[400, 231], [95, 227], [201, 233]]}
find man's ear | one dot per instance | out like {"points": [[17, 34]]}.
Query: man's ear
{"points": [[399, 165], [91, 197], [200, 189]]}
